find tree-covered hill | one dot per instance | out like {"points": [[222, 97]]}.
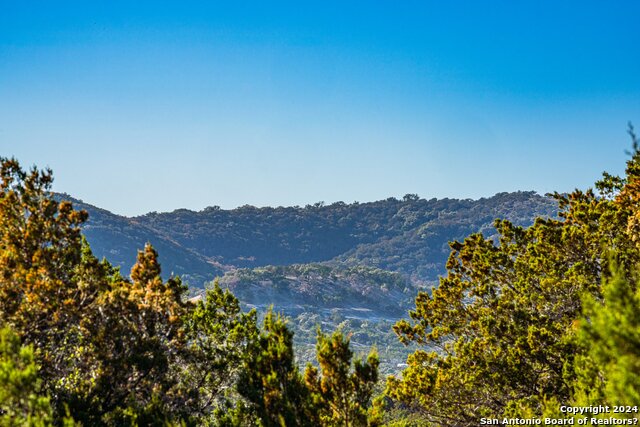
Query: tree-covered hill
{"points": [[409, 236], [117, 239], [417, 243]]}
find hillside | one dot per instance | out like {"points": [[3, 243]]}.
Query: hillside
{"points": [[118, 239], [408, 236], [359, 291], [356, 266]]}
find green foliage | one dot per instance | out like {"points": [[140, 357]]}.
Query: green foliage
{"points": [[608, 372], [22, 402], [40, 248], [500, 327], [407, 236], [271, 380], [342, 392], [220, 336], [111, 350], [132, 337]]}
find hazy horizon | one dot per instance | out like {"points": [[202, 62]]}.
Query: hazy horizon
{"points": [[155, 107]]}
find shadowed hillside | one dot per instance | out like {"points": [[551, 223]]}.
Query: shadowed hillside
{"points": [[408, 236], [118, 239]]}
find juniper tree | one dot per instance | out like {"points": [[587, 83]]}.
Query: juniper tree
{"points": [[496, 334]]}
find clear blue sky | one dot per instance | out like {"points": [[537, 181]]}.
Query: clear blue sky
{"points": [[158, 106]]}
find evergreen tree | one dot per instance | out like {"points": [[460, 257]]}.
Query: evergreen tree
{"points": [[608, 371], [135, 333], [341, 393], [220, 336], [22, 402], [497, 332], [271, 380], [103, 344]]}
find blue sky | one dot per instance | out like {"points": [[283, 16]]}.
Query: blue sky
{"points": [[158, 106]]}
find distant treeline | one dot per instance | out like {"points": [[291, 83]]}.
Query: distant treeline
{"points": [[408, 236]]}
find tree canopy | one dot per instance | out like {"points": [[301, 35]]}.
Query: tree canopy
{"points": [[499, 334]]}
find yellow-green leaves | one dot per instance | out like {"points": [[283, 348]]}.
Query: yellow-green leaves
{"points": [[341, 390]]}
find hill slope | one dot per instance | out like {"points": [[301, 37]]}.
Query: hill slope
{"points": [[118, 239], [408, 236], [357, 266]]}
